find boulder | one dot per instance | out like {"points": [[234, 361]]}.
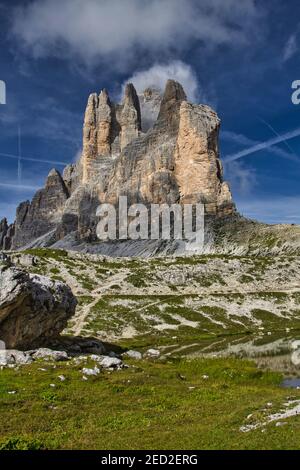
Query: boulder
{"points": [[14, 357], [133, 354], [50, 355], [33, 308], [152, 353], [24, 260], [111, 362], [95, 371]]}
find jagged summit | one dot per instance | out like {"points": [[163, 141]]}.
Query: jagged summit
{"points": [[152, 147], [174, 93]]}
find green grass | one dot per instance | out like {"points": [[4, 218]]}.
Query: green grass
{"points": [[136, 279], [47, 253], [165, 404], [150, 406], [54, 270], [16, 443], [84, 299], [145, 313]]}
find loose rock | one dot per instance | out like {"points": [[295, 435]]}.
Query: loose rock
{"points": [[133, 354], [49, 355]]}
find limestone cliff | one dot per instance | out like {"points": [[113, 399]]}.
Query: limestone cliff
{"points": [[177, 161], [7, 233], [150, 148], [43, 213]]}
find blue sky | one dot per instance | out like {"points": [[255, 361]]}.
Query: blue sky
{"points": [[239, 57]]}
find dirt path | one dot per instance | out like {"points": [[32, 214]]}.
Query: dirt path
{"points": [[82, 314]]}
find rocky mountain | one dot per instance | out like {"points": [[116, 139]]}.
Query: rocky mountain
{"points": [[150, 148]]}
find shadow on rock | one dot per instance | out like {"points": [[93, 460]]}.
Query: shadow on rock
{"points": [[77, 345]]}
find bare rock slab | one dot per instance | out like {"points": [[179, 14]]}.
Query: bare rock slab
{"points": [[33, 308]]}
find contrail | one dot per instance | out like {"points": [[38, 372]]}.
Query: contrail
{"points": [[16, 157], [19, 186], [263, 145], [246, 142], [278, 135]]}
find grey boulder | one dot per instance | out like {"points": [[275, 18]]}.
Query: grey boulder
{"points": [[133, 354], [33, 308], [152, 353], [14, 357], [50, 355], [111, 362]]}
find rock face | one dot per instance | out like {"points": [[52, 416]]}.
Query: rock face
{"points": [[175, 162], [7, 233], [33, 308], [150, 148], [3, 230], [43, 213], [107, 130]]}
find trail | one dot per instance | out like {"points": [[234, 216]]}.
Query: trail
{"points": [[83, 313]]}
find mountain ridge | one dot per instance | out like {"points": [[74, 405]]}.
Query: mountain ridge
{"points": [[152, 148]]}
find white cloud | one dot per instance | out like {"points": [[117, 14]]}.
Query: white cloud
{"points": [[291, 47], [158, 74], [114, 29]]}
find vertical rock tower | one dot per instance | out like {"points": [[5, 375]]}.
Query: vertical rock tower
{"points": [[152, 148], [108, 129]]}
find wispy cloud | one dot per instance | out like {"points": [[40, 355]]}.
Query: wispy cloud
{"points": [[257, 147], [291, 47]]}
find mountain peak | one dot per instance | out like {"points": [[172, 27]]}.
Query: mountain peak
{"points": [[154, 148]]}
